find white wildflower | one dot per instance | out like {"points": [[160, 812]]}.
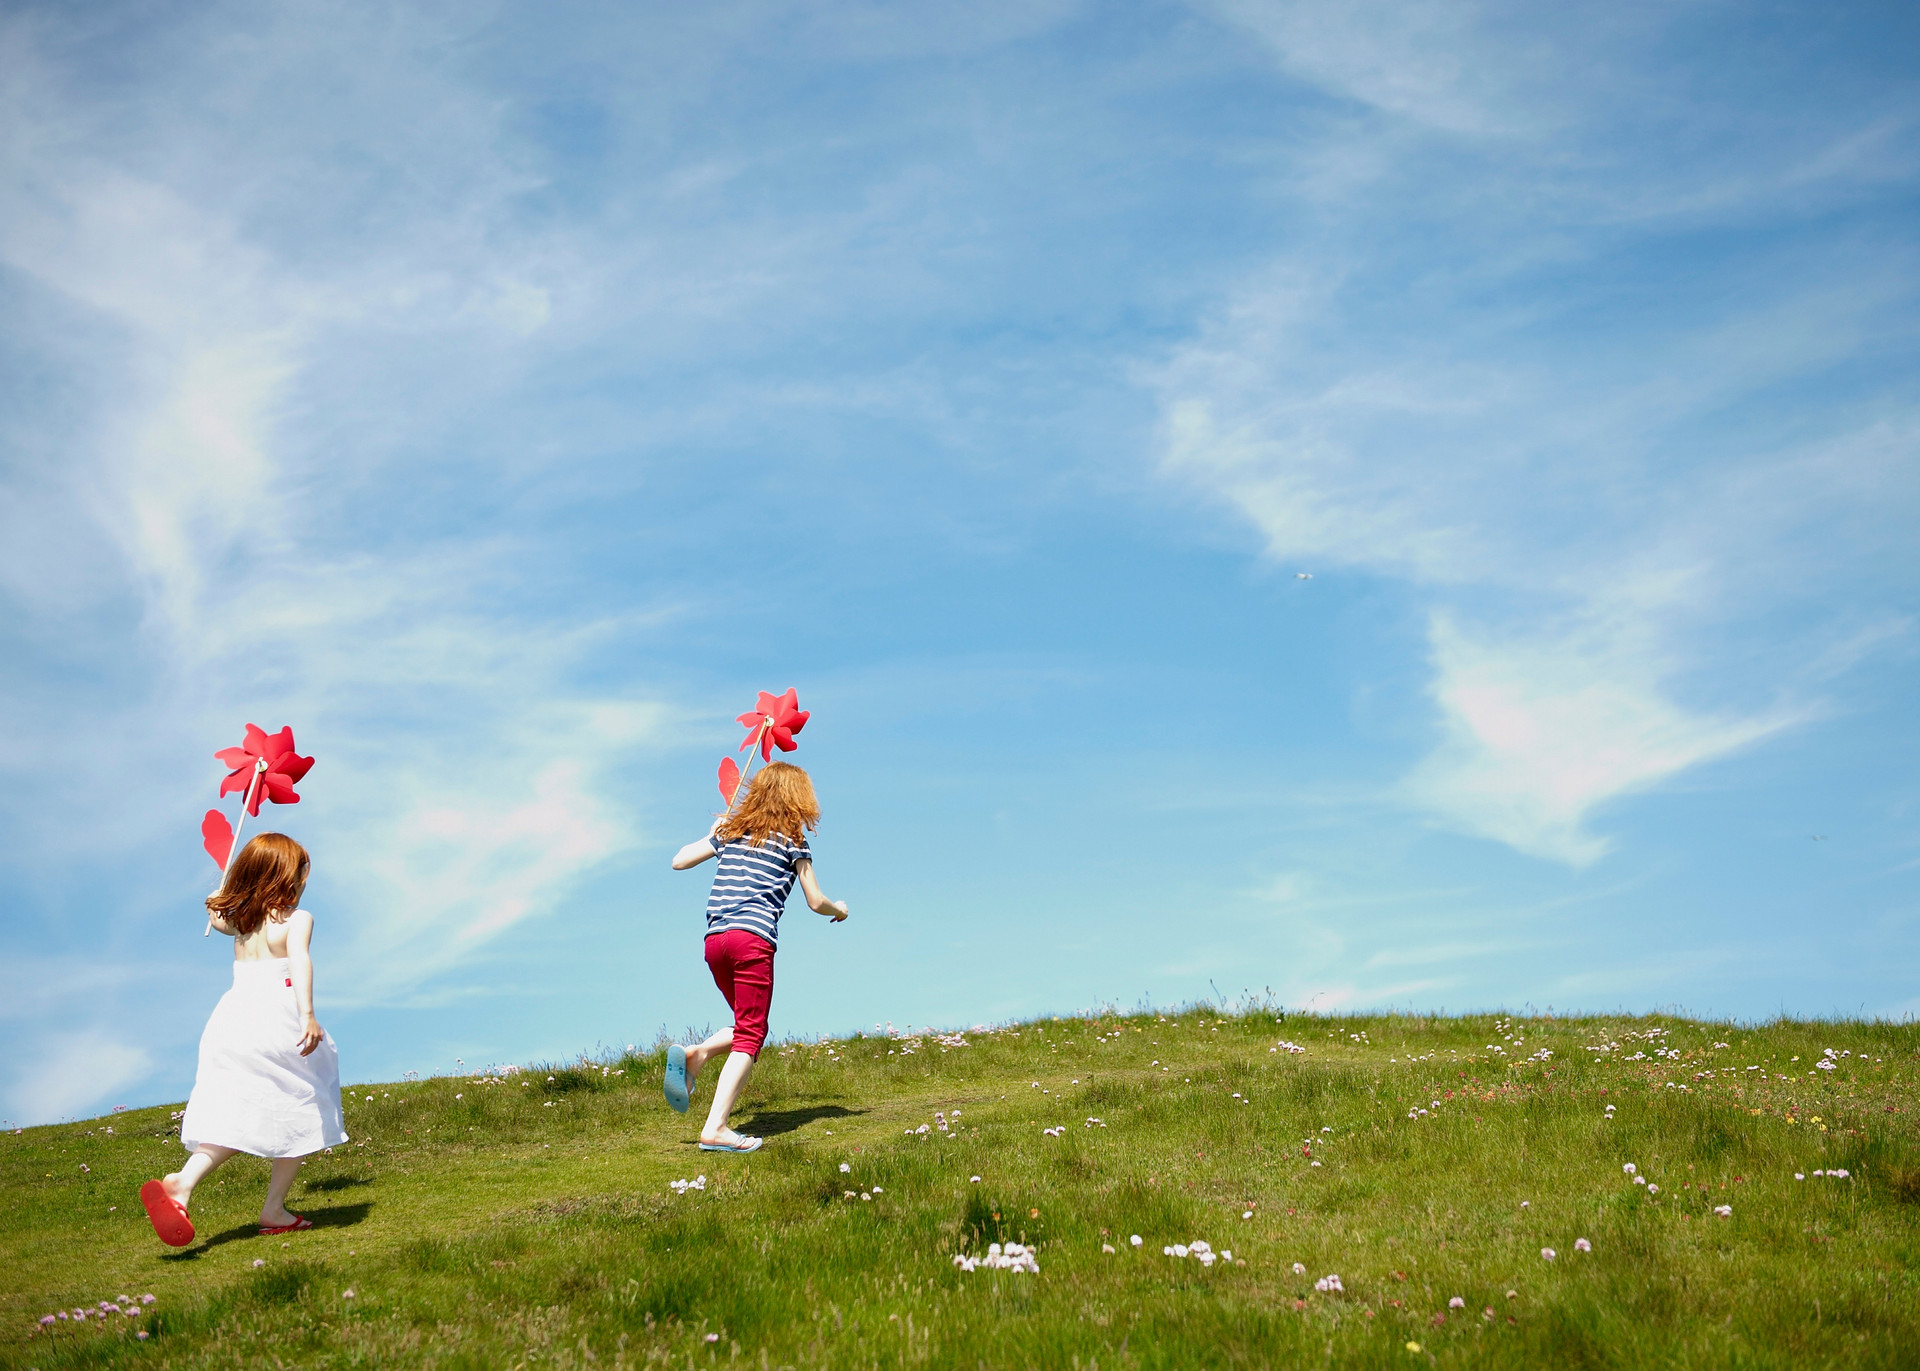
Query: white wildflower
{"points": [[1013, 1257]]}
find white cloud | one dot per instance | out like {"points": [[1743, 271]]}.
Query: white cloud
{"points": [[1438, 473], [479, 779], [1540, 731], [32, 987], [455, 851], [70, 1074], [1437, 62], [1593, 540]]}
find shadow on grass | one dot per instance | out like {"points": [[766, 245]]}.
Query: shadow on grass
{"points": [[769, 1123], [338, 1216], [338, 1183]]}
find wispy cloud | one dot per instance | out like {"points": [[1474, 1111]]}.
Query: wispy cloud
{"points": [[72, 1074], [1460, 68], [481, 776], [1564, 697], [1587, 545], [1539, 732]]}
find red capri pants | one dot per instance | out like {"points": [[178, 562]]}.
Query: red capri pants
{"points": [[742, 966]]}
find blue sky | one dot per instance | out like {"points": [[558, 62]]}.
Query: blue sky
{"points": [[501, 395]]}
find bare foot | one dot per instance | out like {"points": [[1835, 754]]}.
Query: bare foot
{"points": [[726, 1137], [280, 1218], [176, 1191]]}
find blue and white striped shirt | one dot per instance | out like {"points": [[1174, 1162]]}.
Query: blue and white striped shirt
{"points": [[751, 886]]}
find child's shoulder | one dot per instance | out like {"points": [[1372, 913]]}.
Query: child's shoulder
{"points": [[779, 842]]}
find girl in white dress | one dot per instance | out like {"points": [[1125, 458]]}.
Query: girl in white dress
{"points": [[269, 1076]]}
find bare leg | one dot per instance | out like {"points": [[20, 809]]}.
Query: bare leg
{"points": [[274, 1212], [733, 1079], [204, 1159], [701, 1053]]}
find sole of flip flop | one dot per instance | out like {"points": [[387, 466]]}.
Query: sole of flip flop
{"points": [[170, 1222], [675, 1084], [744, 1145]]}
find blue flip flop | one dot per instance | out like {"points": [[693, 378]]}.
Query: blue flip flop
{"points": [[675, 1085], [744, 1145]]}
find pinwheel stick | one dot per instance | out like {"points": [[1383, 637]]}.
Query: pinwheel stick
{"points": [[259, 770]]}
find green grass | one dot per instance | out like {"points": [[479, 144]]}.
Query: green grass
{"points": [[530, 1221]]}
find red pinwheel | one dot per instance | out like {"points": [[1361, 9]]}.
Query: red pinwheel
{"points": [[265, 766], [283, 769], [772, 722]]}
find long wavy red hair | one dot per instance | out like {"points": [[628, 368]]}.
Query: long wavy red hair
{"points": [[267, 877], [780, 800]]}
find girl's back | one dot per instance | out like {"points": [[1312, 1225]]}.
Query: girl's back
{"points": [[268, 942]]}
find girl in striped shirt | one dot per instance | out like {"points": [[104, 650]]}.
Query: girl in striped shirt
{"points": [[762, 847]]}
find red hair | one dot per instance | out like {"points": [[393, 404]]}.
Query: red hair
{"points": [[780, 800], [266, 878]]}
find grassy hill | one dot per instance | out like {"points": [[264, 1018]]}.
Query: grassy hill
{"points": [[532, 1219]]}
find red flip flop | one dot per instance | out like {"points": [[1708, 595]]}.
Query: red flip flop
{"points": [[170, 1221], [300, 1221]]}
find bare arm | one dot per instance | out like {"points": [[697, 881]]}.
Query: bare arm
{"points": [[300, 963], [816, 901], [696, 851]]}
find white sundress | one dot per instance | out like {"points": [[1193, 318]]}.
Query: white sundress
{"points": [[254, 1091]]}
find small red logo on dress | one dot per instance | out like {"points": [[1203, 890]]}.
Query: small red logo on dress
{"points": [[289, 980]]}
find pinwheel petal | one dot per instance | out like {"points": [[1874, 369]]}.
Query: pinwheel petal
{"points": [[294, 768], [236, 757], [766, 746], [279, 745], [216, 835], [783, 739], [256, 740], [279, 789], [237, 780], [748, 720], [768, 705], [729, 779], [798, 720]]}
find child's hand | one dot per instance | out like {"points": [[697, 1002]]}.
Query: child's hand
{"points": [[310, 1035], [836, 910]]}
